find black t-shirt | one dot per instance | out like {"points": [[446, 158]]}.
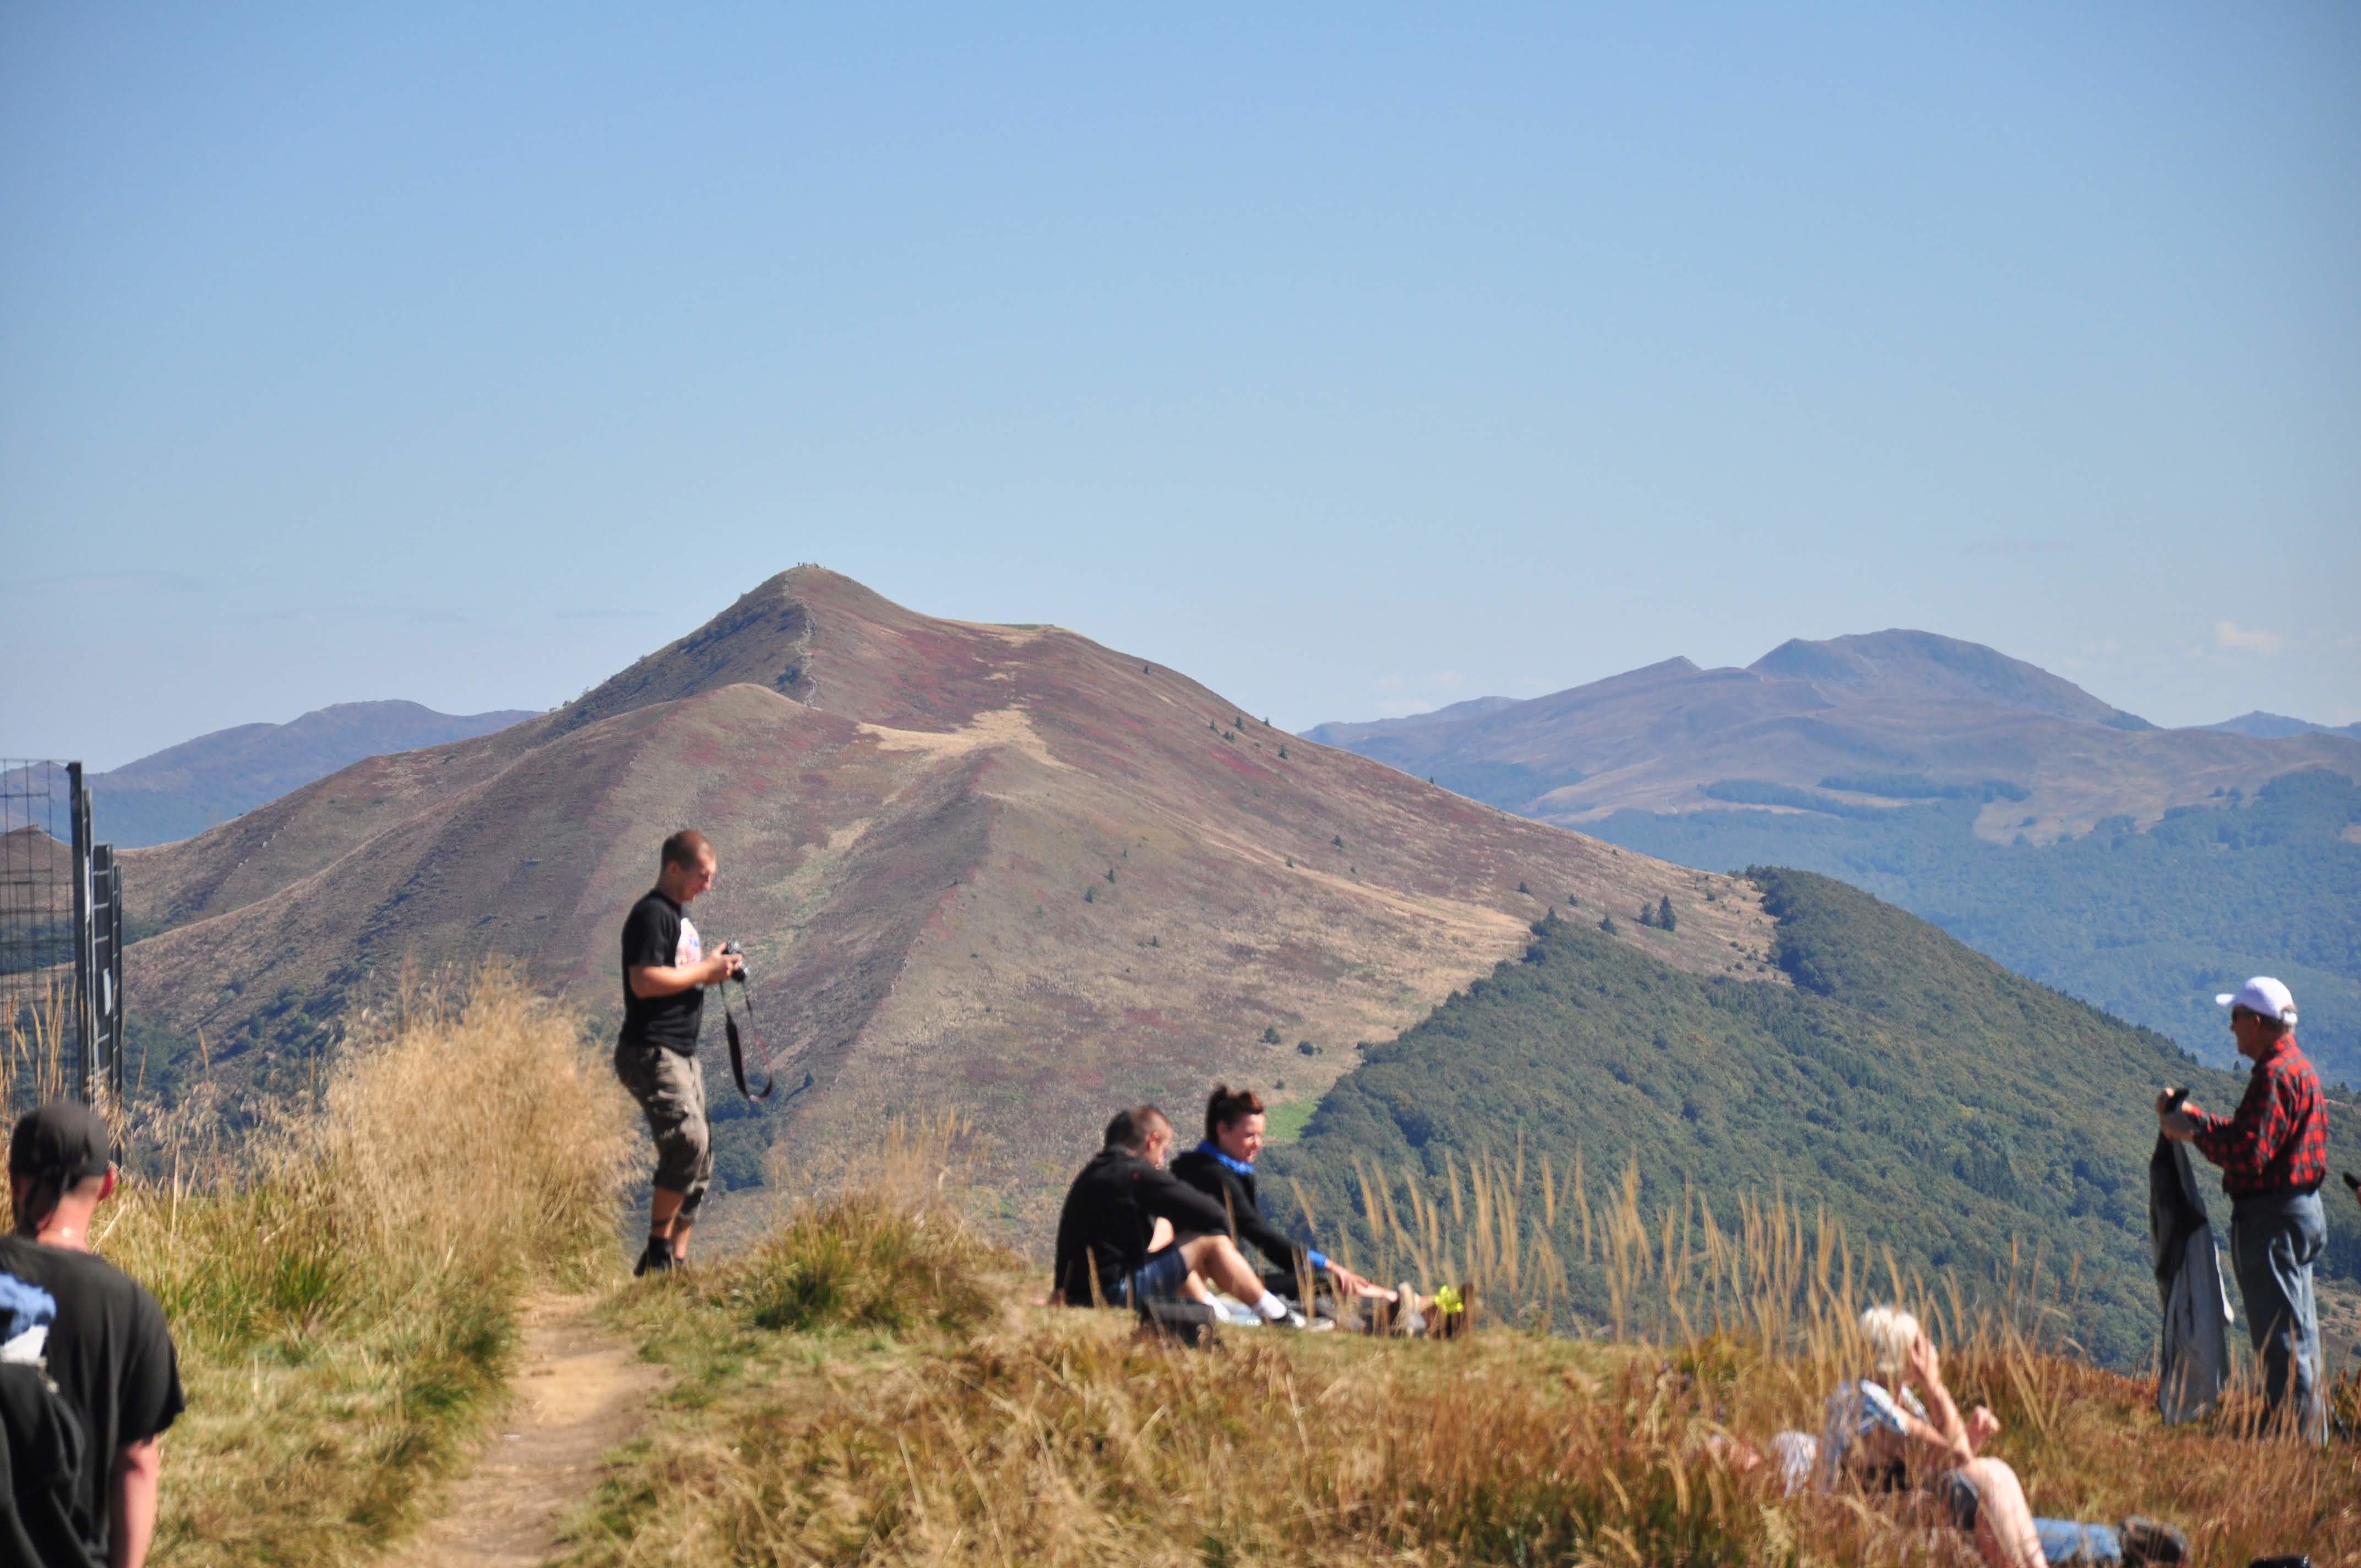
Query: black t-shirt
{"points": [[1110, 1212], [110, 1355], [658, 935]]}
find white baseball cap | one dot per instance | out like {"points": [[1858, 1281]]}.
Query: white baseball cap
{"points": [[2261, 994]]}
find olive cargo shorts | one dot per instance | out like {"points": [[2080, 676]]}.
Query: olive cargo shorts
{"points": [[670, 1089]]}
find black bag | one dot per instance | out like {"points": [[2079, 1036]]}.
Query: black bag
{"points": [[46, 1452]]}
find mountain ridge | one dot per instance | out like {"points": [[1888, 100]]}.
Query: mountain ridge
{"points": [[2133, 867], [1808, 715], [1938, 664], [1000, 869], [2276, 725]]}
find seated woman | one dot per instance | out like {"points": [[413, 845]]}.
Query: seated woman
{"points": [[1902, 1430], [1222, 1167]]}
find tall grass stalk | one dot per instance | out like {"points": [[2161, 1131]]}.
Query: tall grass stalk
{"points": [[33, 1065]]}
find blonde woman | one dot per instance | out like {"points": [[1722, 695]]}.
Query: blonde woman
{"points": [[1901, 1429]]}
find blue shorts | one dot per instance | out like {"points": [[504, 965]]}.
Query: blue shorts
{"points": [[1158, 1279]]}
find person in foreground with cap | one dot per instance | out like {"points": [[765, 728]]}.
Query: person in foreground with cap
{"points": [[2273, 1153], [108, 1350]]}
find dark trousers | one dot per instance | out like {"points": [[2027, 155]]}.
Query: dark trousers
{"points": [[2273, 1243]]}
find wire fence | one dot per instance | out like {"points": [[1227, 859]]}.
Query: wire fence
{"points": [[60, 942]]}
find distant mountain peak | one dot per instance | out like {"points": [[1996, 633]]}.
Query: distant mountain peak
{"points": [[1926, 664], [2278, 726]]}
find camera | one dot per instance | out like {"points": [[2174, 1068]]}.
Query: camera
{"points": [[733, 948]]}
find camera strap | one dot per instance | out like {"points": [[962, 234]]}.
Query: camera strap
{"points": [[737, 1049]]}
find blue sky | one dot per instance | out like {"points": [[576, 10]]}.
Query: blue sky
{"points": [[1353, 362]]}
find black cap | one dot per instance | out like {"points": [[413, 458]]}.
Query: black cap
{"points": [[63, 1139]]}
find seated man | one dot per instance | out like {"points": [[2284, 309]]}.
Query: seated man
{"points": [[1108, 1234], [1222, 1167], [1887, 1436]]}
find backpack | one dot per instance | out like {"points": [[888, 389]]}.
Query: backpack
{"points": [[44, 1447], [46, 1452]]}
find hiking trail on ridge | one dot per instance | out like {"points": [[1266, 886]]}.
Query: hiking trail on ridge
{"points": [[578, 1392]]}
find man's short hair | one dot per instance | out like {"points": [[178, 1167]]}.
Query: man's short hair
{"points": [[1226, 1107], [1130, 1129], [686, 848]]}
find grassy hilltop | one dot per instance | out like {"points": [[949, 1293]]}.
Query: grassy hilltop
{"points": [[1924, 1098], [873, 1384], [870, 1381]]}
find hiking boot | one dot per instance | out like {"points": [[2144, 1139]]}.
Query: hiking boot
{"points": [[656, 1259], [2149, 1541]]}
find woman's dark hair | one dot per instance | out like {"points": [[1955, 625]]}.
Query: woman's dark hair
{"points": [[1228, 1106]]}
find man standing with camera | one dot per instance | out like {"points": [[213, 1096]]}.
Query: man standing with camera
{"points": [[665, 972], [2273, 1153]]}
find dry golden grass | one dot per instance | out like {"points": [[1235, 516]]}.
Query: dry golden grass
{"points": [[947, 1432], [342, 1284], [34, 1025]]}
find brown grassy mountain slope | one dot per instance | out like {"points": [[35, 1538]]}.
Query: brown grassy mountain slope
{"points": [[1907, 703], [996, 868]]}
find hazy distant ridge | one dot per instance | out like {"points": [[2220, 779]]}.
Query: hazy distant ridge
{"points": [[2276, 726], [182, 790], [2050, 758]]}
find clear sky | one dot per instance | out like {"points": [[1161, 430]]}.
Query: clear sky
{"points": [[1353, 361]]}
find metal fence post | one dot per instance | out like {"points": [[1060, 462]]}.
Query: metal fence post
{"points": [[85, 988], [103, 1056]]}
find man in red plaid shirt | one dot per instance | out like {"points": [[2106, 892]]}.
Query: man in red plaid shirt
{"points": [[2273, 1154]]}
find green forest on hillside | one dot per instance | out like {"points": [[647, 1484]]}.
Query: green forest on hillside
{"points": [[2148, 925], [1930, 1100]]}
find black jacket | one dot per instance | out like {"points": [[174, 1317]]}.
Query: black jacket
{"points": [[2194, 1357], [1236, 1195], [1109, 1214]]}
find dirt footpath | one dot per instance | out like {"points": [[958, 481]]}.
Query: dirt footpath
{"points": [[578, 1392]]}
